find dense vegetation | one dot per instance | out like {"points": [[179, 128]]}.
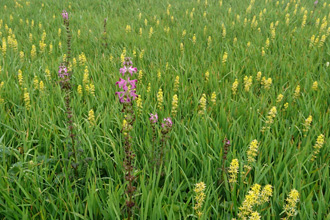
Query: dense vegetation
{"points": [[245, 84]]}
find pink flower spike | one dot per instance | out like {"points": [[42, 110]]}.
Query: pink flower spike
{"points": [[133, 94], [153, 118], [65, 15], [123, 70], [120, 96], [132, 70], [168, 122], [122, 84], [132, 82]]}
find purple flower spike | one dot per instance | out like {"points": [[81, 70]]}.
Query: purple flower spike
{"points": [[315, 3], [65, 15], [168, 123], [153, 118], [62, 72]]}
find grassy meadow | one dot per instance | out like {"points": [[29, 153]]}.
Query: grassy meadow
{"points": [[245, 82]]}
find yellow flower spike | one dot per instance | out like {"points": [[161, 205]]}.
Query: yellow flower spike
{"points": [[21, 56], [194, 39], [140, 76], [315, 86], [159, 74], [207, 75], [265, 194], [82, 59], [79, 89], [30, 37], [224, 58], [184, 32], [233, 171], [174, 105], [41, 86], [92, 89], [247, 83], [36, 82], [33, 52], [235, 40], [270, 118], [199, 198], [160, 99], [317, 147], [202, 103], [213, 98], [181, 47], [20, 77], [176, 83], [291, 203], [26, 98], [267, 83], [141, 54], [234, 87], [322, 40], [224, 32], [209, 41], [149, 87], [139, 105], [296, 92], [59, 32], [91, 118], [279, 98], [255, 216], [259, 76], [4, 47], [307, 125]]}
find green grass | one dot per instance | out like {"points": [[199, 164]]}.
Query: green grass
{"points": [[35, 183]]}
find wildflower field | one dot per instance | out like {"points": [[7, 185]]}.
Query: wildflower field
{"points": [[151, 109]]}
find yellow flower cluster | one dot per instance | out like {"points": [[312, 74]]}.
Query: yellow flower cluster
{"points": [[199, 198], [20, 77], [91, 118], [255, 197], [315, 86], [140, 75], [259, 76], [47, 73], [233, 171], [176, 84], [1, 85], [202, 103], [318, 146], [307, 124], [149, 87], [35, 82], [291, 205], [279, 98], [82, 59], [79, 89], [247, 83], [213, 98], [234, 87], [224, 58], [251, 154], [296, 92], [160, 99], [26, 98], [207, 76], [174, 105], [33, 52], [270, 118], [266, 83], [139, 105]]}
